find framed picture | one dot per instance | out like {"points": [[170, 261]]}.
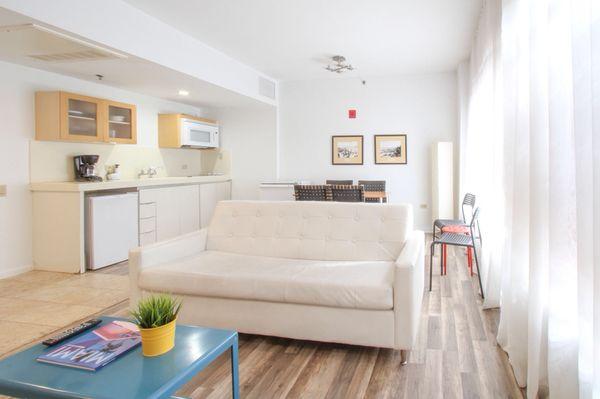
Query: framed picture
{"points": [[390, 149], [346, 150]]}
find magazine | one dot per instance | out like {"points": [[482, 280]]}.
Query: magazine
{"points": [[95, 348]]}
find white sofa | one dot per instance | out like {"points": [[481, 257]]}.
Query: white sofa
{"points": [[324, 271]]}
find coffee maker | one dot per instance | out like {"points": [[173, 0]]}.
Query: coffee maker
{"points": [[85, 167]]}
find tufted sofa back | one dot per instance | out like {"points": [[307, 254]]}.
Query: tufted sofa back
{"points": [[311, 230]]}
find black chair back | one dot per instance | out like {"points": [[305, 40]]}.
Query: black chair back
{"points": [[310, 192], [345, 193], [340, 182], [372, 185]]}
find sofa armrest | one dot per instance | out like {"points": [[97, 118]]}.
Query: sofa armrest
{"points": [[160, 253], [408, 290]]}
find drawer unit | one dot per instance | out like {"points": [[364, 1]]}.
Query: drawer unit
{"points": [[147, 238], [147, 225], [147, 216], [147, 210], [148, 196]]}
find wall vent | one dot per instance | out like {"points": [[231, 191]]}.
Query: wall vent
{"points": [[267, 88]]}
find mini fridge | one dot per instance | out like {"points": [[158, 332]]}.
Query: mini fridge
{"points": [[111, 228]]}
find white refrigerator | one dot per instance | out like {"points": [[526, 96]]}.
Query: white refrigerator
{"points": [[111, 228]]}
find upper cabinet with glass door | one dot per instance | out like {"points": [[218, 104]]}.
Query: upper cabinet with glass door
{"points": [[81, 118], [121, 122], [73, 117]]}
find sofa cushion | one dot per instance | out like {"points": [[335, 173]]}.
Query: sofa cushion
{"points": [[310, 230], [357, 284]]}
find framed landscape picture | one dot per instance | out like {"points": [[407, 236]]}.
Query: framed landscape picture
{"points": [[390, 149], [347, 150]]}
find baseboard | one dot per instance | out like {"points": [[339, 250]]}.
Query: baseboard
{"points": [[14, 271]]}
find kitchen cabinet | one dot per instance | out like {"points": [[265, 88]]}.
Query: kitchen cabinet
{"points": [[167, 212], [171, 210], [62, 116], [166, 208], [170, 127], [121, 122], [210, 195]]}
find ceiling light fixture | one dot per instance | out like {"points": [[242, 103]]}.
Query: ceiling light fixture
{"points": [[339, 64], [184, 93]]}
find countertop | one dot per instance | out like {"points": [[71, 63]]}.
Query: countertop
{"points": [[72, 186]]}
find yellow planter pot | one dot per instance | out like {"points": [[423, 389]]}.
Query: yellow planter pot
{"points": [[159, 340]]}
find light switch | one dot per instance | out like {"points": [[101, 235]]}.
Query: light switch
{"points": [[2, 190]]}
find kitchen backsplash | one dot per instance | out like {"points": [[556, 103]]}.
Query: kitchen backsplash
{"points": [[53, 161]]}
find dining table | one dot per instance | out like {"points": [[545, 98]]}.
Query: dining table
{"points": [[380, 196]]}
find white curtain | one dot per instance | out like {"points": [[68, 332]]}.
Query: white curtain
{"points": [[530, 151]]}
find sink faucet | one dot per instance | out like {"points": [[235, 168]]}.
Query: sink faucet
{"points": [[151, 171]]}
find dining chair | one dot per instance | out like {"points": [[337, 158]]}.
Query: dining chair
{"points": [[312, 192], [458, 226], [373, 185], [469, 203], [344, 193], [459, 240], [340, 182]]}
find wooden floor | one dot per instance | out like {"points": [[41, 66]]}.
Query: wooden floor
{"points": [[456, 356]]}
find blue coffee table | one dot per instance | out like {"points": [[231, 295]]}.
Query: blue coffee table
{"points": [[131, 376]]}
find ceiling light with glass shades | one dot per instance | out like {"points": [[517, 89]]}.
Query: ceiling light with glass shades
{"points": [[339, 64]]}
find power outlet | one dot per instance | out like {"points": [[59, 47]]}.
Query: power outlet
{"points": [[2, 190], [184, 166]]}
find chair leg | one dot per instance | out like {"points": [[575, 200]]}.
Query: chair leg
{"points": [[441, 259], [431, 251], [470, 261], [445, 251], [478, 272]]}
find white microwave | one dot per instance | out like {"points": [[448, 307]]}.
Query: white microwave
{"points": [[196, 134]]}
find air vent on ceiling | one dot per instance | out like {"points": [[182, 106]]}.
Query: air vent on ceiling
{"points": [[45, 44], [266, 88], [73, 56]]}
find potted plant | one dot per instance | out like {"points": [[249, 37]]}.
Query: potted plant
{"points": [[156, 316]]}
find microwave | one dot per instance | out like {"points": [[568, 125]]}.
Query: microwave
{"points": [[196, 134]]}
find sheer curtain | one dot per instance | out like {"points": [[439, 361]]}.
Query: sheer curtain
{"points": [[530, 150]]}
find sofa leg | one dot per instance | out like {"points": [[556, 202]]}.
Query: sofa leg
{"points": [[403, 357]]}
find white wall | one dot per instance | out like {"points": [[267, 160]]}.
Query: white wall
{"points": [[422, 106], [18, 85], [249, 135]]}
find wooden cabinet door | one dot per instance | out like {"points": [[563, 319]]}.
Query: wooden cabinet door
{"points": [[121, 122], [189, 209], [81, 118]]}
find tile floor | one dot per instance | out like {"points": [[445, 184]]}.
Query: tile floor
{"points": [[38, 303]]}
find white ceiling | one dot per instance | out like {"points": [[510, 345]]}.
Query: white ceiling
{"points": [[292, 39], [129, 73]]}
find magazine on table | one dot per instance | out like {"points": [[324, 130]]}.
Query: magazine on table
{"points": [[95, 348]]}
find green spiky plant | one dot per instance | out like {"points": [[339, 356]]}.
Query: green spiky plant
{"points": [[156, 310]]}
